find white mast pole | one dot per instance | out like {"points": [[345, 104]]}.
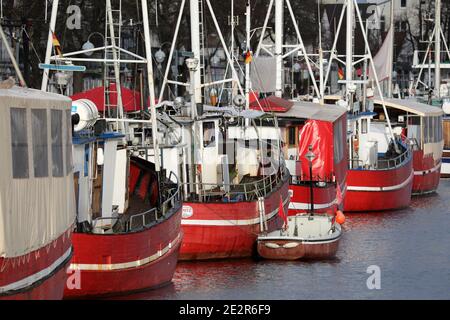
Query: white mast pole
{"points": [[225, 47], [172, 49], [247, 65], [116, 58], [380, 92], [195, 44], [263, 31], [322, 86], [391, 63], [349, 46], [151, 87], [13, 59], [437, 54], [48, 53], [279, 12]]}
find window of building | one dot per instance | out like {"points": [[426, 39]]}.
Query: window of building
{"points": [[19, 143], [403, 3], [57, 143], [40, 142]]}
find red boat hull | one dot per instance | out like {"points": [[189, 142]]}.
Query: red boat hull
{"points": [[39, 275], [379, 190], [325, 199], [228, 230], [427, 173], [304, 250], [119, 264]]}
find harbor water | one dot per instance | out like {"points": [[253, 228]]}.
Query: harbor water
{"points": [[411, 247]]}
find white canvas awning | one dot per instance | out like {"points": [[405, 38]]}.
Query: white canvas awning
{"points": [[313, 111], [411, 106], [37, 199]]}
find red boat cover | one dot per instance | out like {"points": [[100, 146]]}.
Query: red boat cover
{"points": [[131, 99], [272, 104], [319, 135]]}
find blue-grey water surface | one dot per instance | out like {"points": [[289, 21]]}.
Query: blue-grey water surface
{"points": [[411, 247]]}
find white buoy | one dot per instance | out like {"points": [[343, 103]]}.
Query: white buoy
{"points": [[446, 106], [88, 113]]}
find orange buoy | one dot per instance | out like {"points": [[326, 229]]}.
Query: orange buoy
{"points": [[340, 217]]}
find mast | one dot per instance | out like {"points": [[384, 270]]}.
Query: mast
{"points": [[322, 86], [349, 47], [391, 63], [437, 54], [151, 87], [195, 44], [48, 53], [13, 59], [247, 65], [279, 12]]}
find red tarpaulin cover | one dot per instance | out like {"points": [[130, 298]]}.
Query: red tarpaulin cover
{"points": [[319, 134], [272, 104], [131, 99]]}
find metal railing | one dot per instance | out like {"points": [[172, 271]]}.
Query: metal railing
{"points": [[139, 221], [384, 164], [243, 192]]}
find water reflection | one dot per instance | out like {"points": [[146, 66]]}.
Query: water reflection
{"points": [[411, 246]]}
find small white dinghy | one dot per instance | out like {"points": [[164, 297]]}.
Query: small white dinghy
{"points": [[306, 237]]}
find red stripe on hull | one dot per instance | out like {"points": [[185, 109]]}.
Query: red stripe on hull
{"points": [[111, 250], [428, 181], [51, 287], [363, 201], [205, 241]]}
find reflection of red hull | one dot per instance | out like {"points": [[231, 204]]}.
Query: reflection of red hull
{"points": [[40, 275], [427, 172], [325, 199], [113, 264], [228, 230], [379, 190]]}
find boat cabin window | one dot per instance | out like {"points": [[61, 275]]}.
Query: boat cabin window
{"points": [[19, 143], [292, 136], [209, 134], [57, 143], [364, 126], [432, 129], [40, 142], [414, 128], [69, 159], [339, 146]]}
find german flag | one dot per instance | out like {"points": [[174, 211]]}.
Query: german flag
{"points": [[57, 45], [248, 57], [341, 74]]}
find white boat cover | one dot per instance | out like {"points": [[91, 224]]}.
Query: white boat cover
{"points": [[411, 106], [34, 211], [313, 111]]}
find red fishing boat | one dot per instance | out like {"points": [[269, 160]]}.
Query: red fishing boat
{"points": [[128, 234], [381, 170], [420, 124], [304, 124], [445, 172], [37, 202], [232, 191]]}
